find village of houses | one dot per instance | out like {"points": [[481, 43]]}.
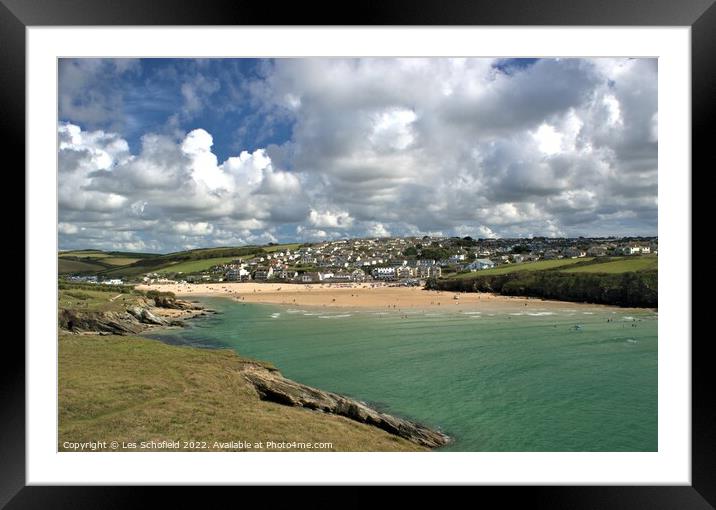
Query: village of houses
{"points": [[406, 261]]}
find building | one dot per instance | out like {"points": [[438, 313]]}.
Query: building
{"points": [[237, 274], [384, 273], [424, 271], [573, 252], [285, 274], [480, 264], [341, 277], [310, 277], [631, 250], [263, 273], [404, 272]]}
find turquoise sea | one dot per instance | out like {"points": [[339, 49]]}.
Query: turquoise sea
{"points": [[575, 378]]}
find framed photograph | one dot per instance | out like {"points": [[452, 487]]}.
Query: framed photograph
{"points": [[423, 249]]}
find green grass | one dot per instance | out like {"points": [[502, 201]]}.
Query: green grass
{"points": [[65, 266], [195, 266], [119, 261], [281, 247], [105, 299], [96, 261], [88, 254], [539, 265], [131, 389], [621, 265]]}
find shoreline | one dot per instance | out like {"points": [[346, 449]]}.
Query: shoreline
{"points": [[363, 295]]}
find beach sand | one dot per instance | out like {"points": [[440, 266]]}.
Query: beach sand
{"points": [[354, 295]]}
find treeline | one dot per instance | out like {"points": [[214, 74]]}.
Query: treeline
{"points": [[631, 289]]}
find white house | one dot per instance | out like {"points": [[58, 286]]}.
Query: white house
{"points": [[341, 277], [238, 274], [384, 273], [480, 264]]}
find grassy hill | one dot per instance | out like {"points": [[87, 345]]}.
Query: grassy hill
{"points": [[132, 389], [279, 247], [619, 265], [127, 265], [96, 261], [195, 266], [70, 266], [539, 265]]}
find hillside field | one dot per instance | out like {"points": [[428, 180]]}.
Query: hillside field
{"points": [[620, 265], [539, 265], [195, 266], [67, 266], [127, 265]]}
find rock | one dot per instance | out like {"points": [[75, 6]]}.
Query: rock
{"points": [[149, 318], [146, 317], [173, 303], [130, 322], [117, 323], [273, 387]]}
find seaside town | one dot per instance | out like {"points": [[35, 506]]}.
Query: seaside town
{"points": [[405, 261]]}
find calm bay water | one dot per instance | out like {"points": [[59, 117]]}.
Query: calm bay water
{"points": [[559, 380]]}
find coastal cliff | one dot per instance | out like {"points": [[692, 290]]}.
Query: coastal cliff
{"points": [[637, 289]]}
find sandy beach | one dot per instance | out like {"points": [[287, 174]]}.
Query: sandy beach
{"points": [[360, 295]]}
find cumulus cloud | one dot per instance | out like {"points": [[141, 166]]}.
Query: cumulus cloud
{"points": [[374, 147], [171, 192], [330, 219]]}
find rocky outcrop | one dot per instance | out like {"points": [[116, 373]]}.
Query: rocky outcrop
{"points": [[273, 387], [116, 323], [144, 316], [130, 322], [174, 303]]}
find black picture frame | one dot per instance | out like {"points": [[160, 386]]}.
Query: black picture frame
{"points": [[700, 15]]}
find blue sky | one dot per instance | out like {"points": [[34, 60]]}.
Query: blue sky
{"points": [[168, 154], [156, 93]]}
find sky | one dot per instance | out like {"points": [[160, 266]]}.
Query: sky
{"points": [[160, 155]]}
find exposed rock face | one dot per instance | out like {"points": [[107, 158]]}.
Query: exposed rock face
{"points": [[117, 323], [272, 386], [130, 322]]}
